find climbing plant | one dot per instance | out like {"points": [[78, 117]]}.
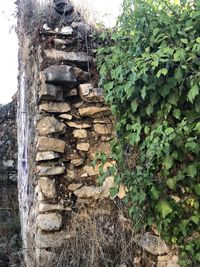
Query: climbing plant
{"points": [[151, 75]]}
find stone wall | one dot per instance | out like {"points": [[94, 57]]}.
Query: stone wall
{"points": [[67, 218], [9, 220]]}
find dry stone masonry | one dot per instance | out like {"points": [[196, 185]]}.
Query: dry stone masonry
{"points": [[63, 124]]}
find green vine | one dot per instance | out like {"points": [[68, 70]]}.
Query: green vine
{"points": [[151, 76]]}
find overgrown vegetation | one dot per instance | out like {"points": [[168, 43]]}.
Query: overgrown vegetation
{"points": [[151, 75]]}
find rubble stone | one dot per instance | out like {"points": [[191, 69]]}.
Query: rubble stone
{"points": [[47, 187], [90, 94], [94, 112], [48, 125], [49, 221], [46, 143], [50, 171], [53, 107], [46, 155]]}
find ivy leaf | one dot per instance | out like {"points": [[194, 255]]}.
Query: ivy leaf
{"points": [[164, 208], [184, 41], [113, 192], [195, 219], [177, 113], [197, 189], [193, 93], [197, 127], [171, 183], [168, 162], [162, 71], [134, 106], [191, 170], [154, 193]]}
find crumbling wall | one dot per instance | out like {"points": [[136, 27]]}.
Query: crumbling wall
{"points": [[67, 218], [9, 216]]}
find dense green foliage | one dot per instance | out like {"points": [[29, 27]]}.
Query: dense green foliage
{"points": [[151, 75]]}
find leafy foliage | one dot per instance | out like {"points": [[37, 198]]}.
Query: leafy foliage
{"points": [[151, 76]]}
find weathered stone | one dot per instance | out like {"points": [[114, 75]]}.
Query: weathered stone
{"points": [[50, 171], [101, 148], [46, 155], [58, 41], [65, 116], [49, 91], [60, 74], [47, 187], [48, 125], [88, 192], [107, 184], [77, 162], [104, 120], [53, 107], [67, 30], [95, 170], [49, 221], [45, 207], [58, 55], [103, 128], [53, 240], [65, 75], [45, 258], [73, 187], [152, 244], [173, 262], [122, 191], [94, 112], [71, 173], [83, 146], [72, 92], [90, 94], [79, 134], [46, 143], [78, 125]]}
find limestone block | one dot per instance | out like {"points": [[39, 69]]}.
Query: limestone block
{"points": [[79, 134], [49, 91], [94, 112], [101, 148], [46, 143], [71, 173], [58, 55], [90, 94], [152, 244], [83, 146], [77, 162], [48, 125], [49, 221], [45, 207], [73, 187], [45, 258], [47, 187], [65, 117], [53, 240], [55, 107], [88, 192], [65, 75], [72, 92], [67, 30], [78, 125], [46, 155], [105, 120], [49, 171], [60, 74], [103, 128]]}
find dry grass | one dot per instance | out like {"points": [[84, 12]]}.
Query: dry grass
{"points": [[98, 239]]}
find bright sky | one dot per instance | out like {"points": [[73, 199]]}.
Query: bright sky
{"points": [[108, 11]]}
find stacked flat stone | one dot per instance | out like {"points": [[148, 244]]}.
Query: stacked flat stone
{"points": [[73, 124]]}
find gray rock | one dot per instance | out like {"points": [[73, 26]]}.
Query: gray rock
{"points": [[77, 58], [49, 91], [49, 171], [49, 125], [65, 75], [46, 143], [152, 244], [46, 155], [49, 221]]}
